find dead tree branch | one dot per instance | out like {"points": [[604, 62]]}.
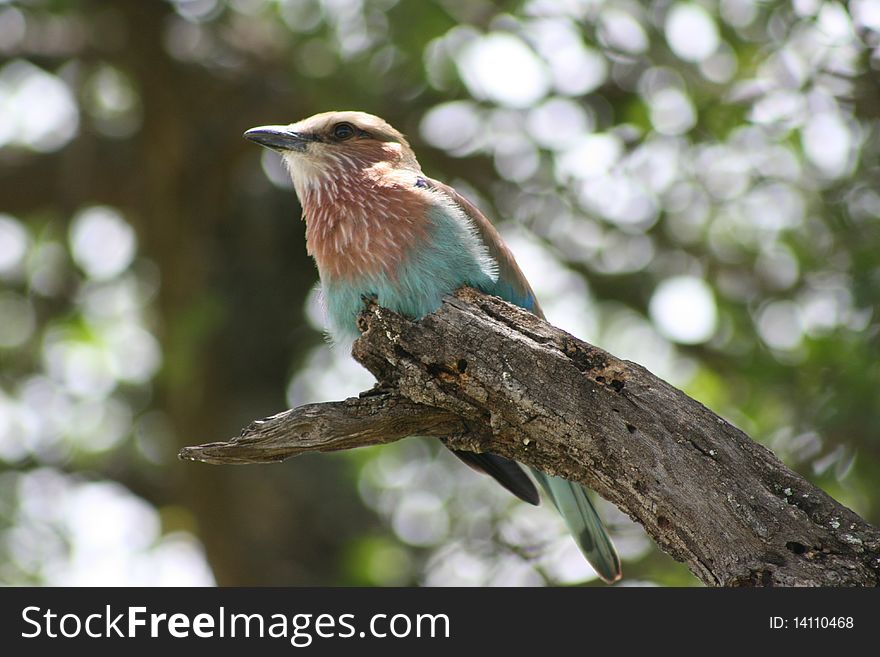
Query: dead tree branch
{"points": [[483, 375]]}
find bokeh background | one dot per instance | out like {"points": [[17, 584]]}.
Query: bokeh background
{"points": [[692, 185]]}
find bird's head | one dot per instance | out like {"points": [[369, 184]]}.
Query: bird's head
{"points": [[327, 148], [357, 181]]}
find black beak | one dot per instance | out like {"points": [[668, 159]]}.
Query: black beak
{"points": [[279, 137]]}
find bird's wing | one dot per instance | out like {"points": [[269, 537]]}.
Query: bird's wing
{"points": [[512, 285], [571, 499]]}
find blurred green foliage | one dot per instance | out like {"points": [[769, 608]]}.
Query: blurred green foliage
{"points": [[692, 185]]}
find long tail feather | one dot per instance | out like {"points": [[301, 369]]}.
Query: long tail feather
{"points": [[583, 522], [506, 472]]}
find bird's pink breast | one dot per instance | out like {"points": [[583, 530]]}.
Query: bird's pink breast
{"points": [[363, 223]]}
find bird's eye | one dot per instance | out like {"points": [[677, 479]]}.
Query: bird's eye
{"points": [[343, 131]]}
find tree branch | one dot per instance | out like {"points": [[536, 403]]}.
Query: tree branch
{"points": [[484, 375], [376, 417]]}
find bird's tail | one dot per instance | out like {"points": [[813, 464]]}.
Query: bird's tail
{"points": [[506, 472], [573, 502]]}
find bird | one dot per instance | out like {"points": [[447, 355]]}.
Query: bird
{"points": [[379, 228]]}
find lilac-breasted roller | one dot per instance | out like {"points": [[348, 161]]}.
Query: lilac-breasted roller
{"points": [[379, 228]]}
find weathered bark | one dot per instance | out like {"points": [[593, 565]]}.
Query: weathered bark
{"points": [[484, 375]]}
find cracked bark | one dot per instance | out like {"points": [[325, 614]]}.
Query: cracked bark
{"points": [[483, 375]]}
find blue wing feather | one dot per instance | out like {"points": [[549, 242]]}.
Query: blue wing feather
{"points": [[511, 284]]}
